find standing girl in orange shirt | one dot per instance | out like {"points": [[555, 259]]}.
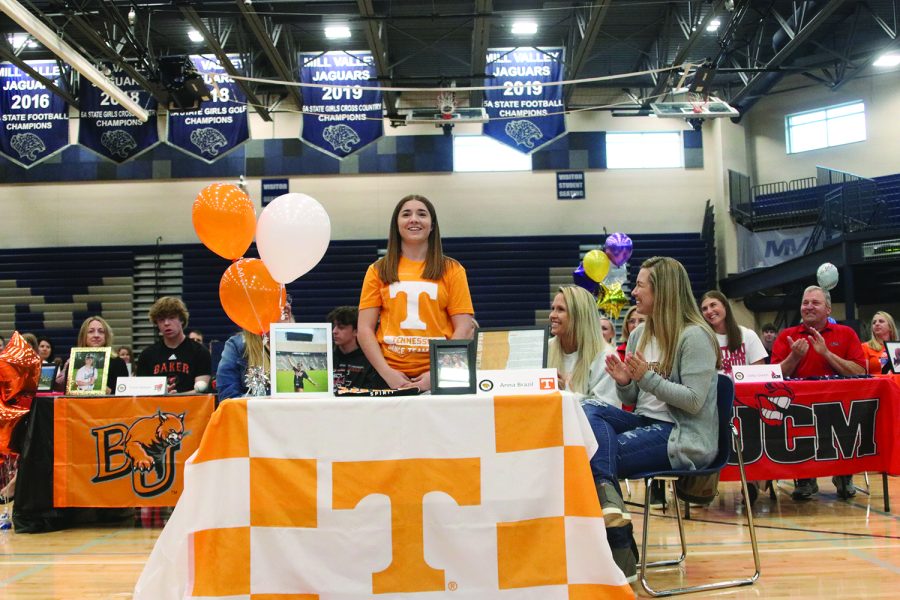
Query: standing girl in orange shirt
{"points": [[413, 294]]}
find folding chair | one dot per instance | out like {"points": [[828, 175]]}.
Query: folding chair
{"points": [[728, 441]]}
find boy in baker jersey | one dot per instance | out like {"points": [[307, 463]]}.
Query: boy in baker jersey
{"points": [[184, 362]]}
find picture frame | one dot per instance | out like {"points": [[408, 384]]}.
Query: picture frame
{"points": [[508, 348], [47, 377], [893, 352], [301, 360], [88, 371], [452, 366]]}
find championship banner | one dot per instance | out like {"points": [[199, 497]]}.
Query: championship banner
{"points": [[801, 429], [340, 120], [122, 451], [110, 130], [35, 121], [218, 126], [526, 114], [449, 497]]}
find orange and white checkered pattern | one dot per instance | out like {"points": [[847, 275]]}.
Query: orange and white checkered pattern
{"points": [[442, 497]]}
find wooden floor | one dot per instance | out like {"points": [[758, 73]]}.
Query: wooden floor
{"points": [[824, 548]]}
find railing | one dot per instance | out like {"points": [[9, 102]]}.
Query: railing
{"points": [[781, 187], [854, 205]]}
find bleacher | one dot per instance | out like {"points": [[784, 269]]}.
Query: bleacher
{"points": [[889, 192], [50, 291], [800, 202]]}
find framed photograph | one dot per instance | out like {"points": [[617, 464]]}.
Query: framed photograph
{"points": [[452, 366], [893, 352], [88, 371], [504, 348], [48, 374], [301, 360]]}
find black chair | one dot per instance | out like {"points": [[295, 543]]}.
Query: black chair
{"points": [[729, 441]]}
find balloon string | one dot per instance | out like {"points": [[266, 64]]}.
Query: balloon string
{"points": [[243, 282]]}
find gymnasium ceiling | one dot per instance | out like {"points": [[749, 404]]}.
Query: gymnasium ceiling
{"points": [[443, 42]]}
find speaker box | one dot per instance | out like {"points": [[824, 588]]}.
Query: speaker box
{"points": [[186, 88]]}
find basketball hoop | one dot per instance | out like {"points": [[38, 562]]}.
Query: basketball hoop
{"points": [[446, 102]]}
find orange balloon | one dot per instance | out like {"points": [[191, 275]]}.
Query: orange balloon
{"points": [[249, 295], [224, 219]]}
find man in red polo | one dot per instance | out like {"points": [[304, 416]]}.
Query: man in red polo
{"points": [[817, 348]]}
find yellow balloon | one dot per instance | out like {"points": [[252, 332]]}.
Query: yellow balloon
{"points": [[596, 265]]}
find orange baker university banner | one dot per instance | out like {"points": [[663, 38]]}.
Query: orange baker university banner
{"points": [[440, 497], [121, 451]]}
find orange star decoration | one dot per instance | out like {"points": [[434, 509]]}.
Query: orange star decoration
{"points": [[20, 369]]}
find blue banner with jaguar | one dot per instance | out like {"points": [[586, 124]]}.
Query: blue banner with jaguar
{"points": [[218, 126], [35, 121], [109, 129], [342, 117], [525, 113]]}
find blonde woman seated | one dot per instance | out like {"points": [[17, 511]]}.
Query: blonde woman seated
{"points": [[669, 374], [875, 350], [577, 349]]}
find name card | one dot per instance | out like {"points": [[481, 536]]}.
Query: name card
{"points": [[756, 373], [516, 381], [140, 386]]}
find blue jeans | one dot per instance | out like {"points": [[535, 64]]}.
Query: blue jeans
{"points": [[629, 443]]}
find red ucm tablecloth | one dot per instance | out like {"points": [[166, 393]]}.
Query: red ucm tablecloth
{"points": [[798, 429]]}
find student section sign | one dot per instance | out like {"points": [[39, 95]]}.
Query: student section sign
{"points": [[34, 122], [525, 113], [342, 117], [218, 126]]}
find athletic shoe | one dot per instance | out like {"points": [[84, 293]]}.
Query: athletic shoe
{"points": [[614, 512], [844, 485], [804, 489]]}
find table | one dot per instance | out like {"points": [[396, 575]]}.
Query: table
{"points": [[817, 428], [459, 497], [80, 451]]}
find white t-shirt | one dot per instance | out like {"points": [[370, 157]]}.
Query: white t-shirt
{"points": [[649, 405], [86, 373], [601, 387], [750, 351]]}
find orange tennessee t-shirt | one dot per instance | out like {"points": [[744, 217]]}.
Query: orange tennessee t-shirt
{"points": [[414, 310]]}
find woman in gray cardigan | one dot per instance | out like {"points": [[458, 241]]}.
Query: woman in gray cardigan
{"points": [[669, 375]]}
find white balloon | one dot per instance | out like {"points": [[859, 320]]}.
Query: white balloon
{"points": [[292, 235], [827, 276]]}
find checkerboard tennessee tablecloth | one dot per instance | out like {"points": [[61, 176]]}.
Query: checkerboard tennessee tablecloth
{"points": [[437, 497]]}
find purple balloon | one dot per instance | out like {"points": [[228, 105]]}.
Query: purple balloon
{"points": [[579, 277], [618, 248]]}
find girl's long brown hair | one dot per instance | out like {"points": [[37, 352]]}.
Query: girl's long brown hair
{"points": [[732, 329], [435, 261]]}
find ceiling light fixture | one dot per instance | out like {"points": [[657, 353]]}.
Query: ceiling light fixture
{"points": [[337, 32], [55, 44], [524, 28], [888, 59], [194, 35], [713, 25]]}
